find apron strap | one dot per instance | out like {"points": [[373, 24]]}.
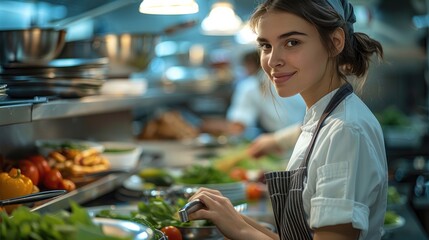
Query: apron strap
{"points": [[339, 96]]}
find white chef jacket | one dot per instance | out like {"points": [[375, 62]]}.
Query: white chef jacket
{"points": [[250, 105], [347, 171]]}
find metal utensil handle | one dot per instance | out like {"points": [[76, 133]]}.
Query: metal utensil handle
{"points": [[190, 207], [33, 197]]}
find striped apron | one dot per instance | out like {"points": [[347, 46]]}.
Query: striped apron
{"points": [[285, 187]]}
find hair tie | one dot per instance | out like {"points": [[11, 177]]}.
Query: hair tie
{"points": [[345, 9]]}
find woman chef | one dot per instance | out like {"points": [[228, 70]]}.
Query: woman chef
{"points": [[335, 184]]}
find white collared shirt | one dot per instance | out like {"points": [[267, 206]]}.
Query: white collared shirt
{"points": [[347, 173]]}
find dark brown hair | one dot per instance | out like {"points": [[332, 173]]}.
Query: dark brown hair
{"points": [[358, 47]]}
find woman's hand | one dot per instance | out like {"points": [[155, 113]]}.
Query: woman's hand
{"points": [[263, 145], [219, 210]]}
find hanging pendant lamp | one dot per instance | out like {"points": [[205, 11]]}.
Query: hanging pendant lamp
{"points": [[168, 7], [221, 20]]}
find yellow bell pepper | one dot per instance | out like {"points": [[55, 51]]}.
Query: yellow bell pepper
{"points": [[14, 184]]}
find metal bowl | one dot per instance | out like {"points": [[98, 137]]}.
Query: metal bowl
{"points": [[32, 45], [127, 52], [206, 232], [210, 232]]}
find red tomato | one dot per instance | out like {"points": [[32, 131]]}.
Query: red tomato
{"points": [[239, 174], [41, 164], [254, 191], [29, 170], [53, 179], [172, 232]]}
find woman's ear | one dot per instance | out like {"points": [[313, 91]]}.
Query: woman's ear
{"points": [[338, 39]]}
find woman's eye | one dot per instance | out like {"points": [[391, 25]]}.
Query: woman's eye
{"points": [[264, 46], [292, 43]]}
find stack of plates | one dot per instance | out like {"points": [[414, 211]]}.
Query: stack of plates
{"points": [[64, 78], [3, 89]]}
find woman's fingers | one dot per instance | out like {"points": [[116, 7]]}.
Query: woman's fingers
{"points": [[202, 190], [215, 203]]}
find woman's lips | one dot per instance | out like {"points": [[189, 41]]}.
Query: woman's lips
{"points": [[279, 78]]}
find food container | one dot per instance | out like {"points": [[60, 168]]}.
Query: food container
{"points": [[121, 155]]}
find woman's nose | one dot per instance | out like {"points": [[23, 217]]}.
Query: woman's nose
{"points": [[275, 60]]}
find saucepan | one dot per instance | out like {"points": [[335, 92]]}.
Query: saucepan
{"points": [[42, 44]]}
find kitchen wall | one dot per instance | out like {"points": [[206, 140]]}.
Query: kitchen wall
{"points": [[399, 81]]}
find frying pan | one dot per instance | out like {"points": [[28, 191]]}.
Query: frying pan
{"points": [[42, 44]]}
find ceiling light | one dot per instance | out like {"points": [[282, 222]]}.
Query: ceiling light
{"points": [[168, 7], [246, 35], [221, 20]]}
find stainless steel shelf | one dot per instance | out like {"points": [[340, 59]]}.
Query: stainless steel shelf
{"points": [[12, 114], [101, 104], [20, 113]]}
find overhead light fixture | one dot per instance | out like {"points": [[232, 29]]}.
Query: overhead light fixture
{"points": [[246, 35], [221, 20], [168, 7]]}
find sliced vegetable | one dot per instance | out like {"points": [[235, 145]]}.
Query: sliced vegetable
{"points": [[156, 176], [199, 174]]}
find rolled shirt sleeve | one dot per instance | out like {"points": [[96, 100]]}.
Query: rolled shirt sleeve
{"points": [[347, 181]]}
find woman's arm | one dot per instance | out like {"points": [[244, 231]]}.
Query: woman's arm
{"points": [[260, 228], [336, 232], [219, 210]]}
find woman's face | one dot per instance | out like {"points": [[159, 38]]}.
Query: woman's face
{"points": [[293, 56]]}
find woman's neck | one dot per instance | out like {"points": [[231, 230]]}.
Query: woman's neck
{"points": [[317, 91]]}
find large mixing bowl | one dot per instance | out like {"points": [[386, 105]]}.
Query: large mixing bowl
{"points": [[206, 233], [127, 52], [32, 45]]}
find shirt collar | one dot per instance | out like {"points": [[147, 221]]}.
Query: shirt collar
{"points": [[314, 113]]}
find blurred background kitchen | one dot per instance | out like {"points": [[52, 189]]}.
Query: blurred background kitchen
{"points": [[103, 70]]}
